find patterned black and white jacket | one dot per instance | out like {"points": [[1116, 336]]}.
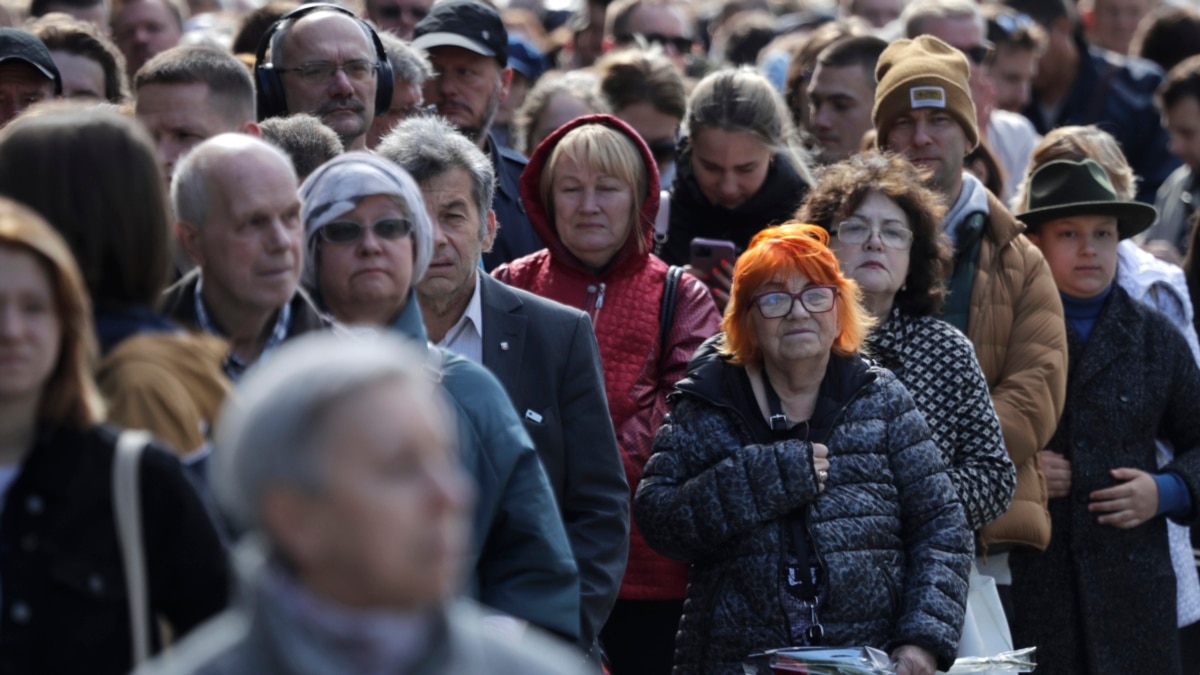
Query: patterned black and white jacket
{"points": [[938, 366], [888, 530]]}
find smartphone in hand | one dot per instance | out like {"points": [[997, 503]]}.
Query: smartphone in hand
{"points": [[707, 255]]}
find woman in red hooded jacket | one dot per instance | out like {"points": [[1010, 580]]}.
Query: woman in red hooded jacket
{"points": [[591, 191]]}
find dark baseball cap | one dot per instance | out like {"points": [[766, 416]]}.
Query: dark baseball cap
{"points": [[19, 45], [471, 25], [525, 58]]}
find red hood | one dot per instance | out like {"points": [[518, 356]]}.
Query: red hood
{"points": [[531, 196]]}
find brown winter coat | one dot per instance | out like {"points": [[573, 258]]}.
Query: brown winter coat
{"points": [[1016, 324]]}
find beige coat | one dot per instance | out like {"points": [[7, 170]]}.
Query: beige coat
{"points": [[1016, 324]]}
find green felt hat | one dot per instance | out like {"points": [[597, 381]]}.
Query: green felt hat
{"points": [[1062, 188]]}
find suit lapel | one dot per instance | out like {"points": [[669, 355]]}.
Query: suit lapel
{"points": [[504, 325]]}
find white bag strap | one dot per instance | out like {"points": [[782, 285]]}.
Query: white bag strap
{"points": [[128, 509]]}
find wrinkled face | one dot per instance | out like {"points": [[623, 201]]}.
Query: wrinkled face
{"points": [[1012, 72], [561, 109], [730, 166], [840, 102], [390, 527], [457, 240], [251, 248], [365, 281], [878, 13], [142, 30], [406, 98], [1115, 21], [179, 117], [81, 76], [467, 89], [30, 330], [399, 17], [593, 211], [800, 335], [344, 102], [658, 129], [1182, 121], [1081, 252], [879, 269], [21, 85], [934, 142]]}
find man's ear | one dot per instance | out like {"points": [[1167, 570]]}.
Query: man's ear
{"points": [[506, 77], [251, 129], [188, 236], [489, 237]]}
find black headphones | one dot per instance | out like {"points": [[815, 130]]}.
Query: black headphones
{"points": [[272, 101]]}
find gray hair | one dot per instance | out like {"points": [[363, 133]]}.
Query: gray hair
{"points": [[271, 433], [408, 64], [190, 194], [428, 147], [305, 139], [342, 183], [919, 11]]}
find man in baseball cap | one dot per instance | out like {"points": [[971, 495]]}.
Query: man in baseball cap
{"points": [[27, 73], [1001, 292], [467, 45]]}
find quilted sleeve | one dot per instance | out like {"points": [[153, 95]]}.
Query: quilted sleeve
{"points": [[704, 486], [937, 542]]}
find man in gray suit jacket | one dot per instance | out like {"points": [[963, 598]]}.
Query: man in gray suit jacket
{"points": [[544, 354]]}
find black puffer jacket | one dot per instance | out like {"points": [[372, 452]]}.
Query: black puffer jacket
{"points": [[888, 529]]}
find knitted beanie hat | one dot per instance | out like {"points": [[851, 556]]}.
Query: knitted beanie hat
{"points": [[923, 73]]}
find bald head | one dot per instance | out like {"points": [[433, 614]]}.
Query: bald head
{"points": [[192, 189]]}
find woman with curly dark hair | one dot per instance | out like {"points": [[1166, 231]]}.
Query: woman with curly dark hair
{"points": [[884, 225]]}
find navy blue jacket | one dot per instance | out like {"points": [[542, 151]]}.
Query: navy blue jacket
{"points": [[1116, 93], [515, 237]]}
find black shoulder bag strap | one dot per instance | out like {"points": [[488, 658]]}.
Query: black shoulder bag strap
{"points": [[800, 581], [666, 313]]}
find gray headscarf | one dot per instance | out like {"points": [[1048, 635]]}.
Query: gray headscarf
{"points": [[342, 183]]}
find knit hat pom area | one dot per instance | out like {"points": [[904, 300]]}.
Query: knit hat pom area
{"points": [[923, 73]]}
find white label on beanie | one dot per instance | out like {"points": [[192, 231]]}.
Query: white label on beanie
{"points": [[927, 97]]}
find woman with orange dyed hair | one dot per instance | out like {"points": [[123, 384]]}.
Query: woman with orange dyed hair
{"points": [[800, 481]]}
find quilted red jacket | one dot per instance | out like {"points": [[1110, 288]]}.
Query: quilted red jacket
{"points": [[624, 302]]}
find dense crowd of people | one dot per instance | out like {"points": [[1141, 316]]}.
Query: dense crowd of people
{"points": [[624, 336]]}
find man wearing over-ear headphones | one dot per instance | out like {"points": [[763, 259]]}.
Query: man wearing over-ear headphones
{"points": [[321, 59]]}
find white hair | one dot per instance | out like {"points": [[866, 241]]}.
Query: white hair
{"points": [[190, 185], [271, 431]]}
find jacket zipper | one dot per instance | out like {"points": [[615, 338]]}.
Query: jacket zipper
{"points": [[598, 291]]}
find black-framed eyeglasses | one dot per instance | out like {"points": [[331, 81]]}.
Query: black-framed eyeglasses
{"points": [[396, 11], [349, 232], [892, 235], [682, 45], [323, 72], [978, 54], [814, 299]]}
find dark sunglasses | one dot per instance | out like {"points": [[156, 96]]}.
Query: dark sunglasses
{"points": [[395, 11], [1010, 24], [348, 232], [682, 45], [978, 54]]}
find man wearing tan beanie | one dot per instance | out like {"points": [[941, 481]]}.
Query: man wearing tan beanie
{"points": [[1001, 292]]}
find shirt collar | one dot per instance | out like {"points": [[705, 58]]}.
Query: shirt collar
{"points": [[472, 316], [234, 365]]}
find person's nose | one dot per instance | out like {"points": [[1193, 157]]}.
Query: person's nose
{"points": [[370, 244], [10, 321], [341, 85], [798, 310], [874, 240], [921, 136], [821, 116], [1174, 145], [591, 202], [278, 235], [729, 185]]}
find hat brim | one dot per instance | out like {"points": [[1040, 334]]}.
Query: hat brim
{"points": [[431, 40], [1132, 217], [40, 68]]}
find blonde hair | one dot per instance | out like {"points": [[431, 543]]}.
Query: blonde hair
{"points": [[1077, 143], [608, 151], [70, 396]]}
